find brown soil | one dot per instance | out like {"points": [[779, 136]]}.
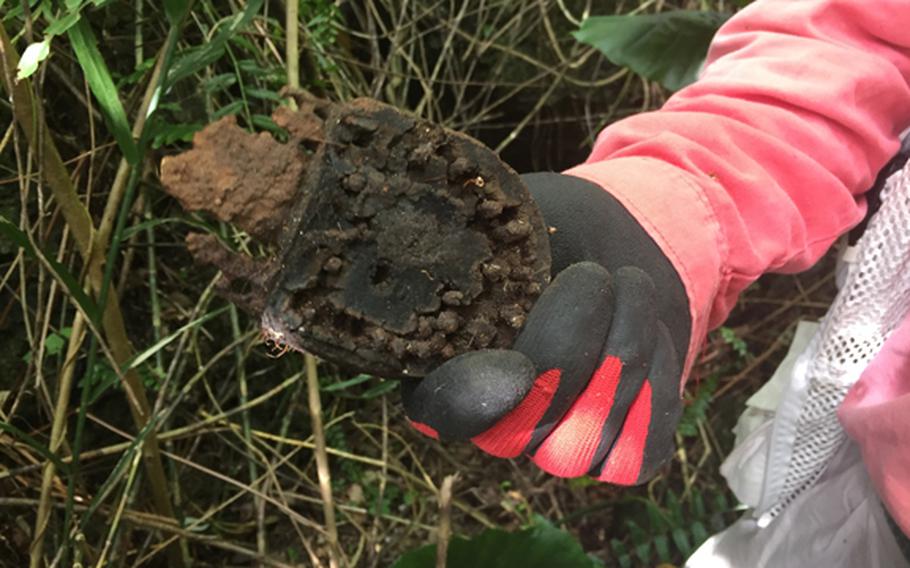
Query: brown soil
{"points": [[406, 243], [249, 180]]}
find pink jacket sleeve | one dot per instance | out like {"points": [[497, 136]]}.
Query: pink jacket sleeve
{"points": [[761, 164]]}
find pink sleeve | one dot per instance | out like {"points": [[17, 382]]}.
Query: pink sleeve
{"points": [[761, 164]]}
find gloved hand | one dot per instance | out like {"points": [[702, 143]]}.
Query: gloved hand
{"points": [[592, 384]]}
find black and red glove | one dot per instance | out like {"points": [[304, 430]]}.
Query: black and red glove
{"points": [[592, 384]]}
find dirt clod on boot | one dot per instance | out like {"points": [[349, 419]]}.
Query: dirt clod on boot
{"points": [[404, 245], [249, 180]]}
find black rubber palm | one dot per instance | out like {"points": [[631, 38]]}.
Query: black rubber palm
{"points": [[591, 386]]}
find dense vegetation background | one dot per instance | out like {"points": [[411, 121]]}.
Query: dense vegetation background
{"points": [[142, 420]]}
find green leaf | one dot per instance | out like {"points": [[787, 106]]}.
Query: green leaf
{"points": [[620, 554], [662, 547], [152, 223], [175, 10], [53, 344], [641, 540], [263, 122], [165, 133], [342, 385], [255, 69], [137, 74], [541, 546], [698, 505], [219, 82], [103, 492], [99, 80], [382, 388], [140, 358], [699, 533], [656, 521], [737, 343], [637, 534], [294, 555], [63, 24], [34, 444], [696, 409], [577, 483], [263, 94], [194, 524], [171, 106], [88, 305], [681, 539], [720, 502], [230, 108], [677, 517], [33, 55], [196, 58], [668, 47], [17, 10], [97, 380]]}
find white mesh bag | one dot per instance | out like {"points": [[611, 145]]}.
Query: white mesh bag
{"points": [[874, 300]]}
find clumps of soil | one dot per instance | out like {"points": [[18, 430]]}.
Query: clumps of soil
{"points": [[248, 180], [404, 245]]}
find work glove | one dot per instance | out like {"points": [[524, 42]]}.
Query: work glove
{"points": [[592, 383]]}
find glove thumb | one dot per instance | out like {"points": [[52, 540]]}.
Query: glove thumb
{"points": [[467, 395]]}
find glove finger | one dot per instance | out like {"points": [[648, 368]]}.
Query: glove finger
{"points": [[532, 386], [563, 337], [646, 440], [466, 395], [585, 434]]}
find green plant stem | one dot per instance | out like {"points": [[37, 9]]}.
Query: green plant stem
{"points": [[80, 223], [109, 237], [118, 514], [154, 300], [240, 365], [58, 429]]}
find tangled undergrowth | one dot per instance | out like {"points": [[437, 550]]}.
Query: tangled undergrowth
{"points": [[167, 404]]}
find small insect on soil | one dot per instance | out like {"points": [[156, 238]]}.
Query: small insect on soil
{"points": [[407, 245]]}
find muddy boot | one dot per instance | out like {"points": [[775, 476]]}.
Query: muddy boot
{"points": [[404, 245]]}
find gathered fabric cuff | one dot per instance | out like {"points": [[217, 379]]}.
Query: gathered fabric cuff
{"points": [[675, 213]]}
